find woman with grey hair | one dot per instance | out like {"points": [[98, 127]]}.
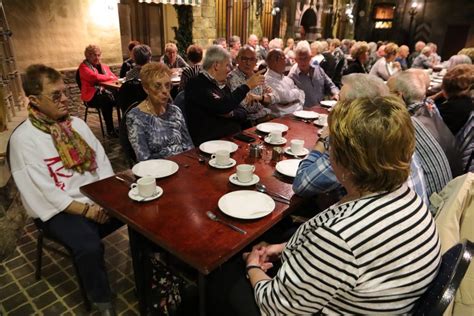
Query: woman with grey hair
{"points": [[458, 60], [212, 110], [141, 54]]}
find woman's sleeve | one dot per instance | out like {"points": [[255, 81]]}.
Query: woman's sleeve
{"points": [[87, 74], [317, 271], [137, 137]]}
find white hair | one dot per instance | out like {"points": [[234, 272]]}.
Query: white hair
{"points": [[409, 85], [364, 86], [303, 47], [214, 54]]}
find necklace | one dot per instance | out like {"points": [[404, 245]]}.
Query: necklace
{"points": [[149, 108]]}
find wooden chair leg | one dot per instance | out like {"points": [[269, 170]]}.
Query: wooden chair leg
{"points": [[85, 114], [100, 121]]}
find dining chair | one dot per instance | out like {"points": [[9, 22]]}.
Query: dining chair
{"points": [[123, 138], [130, 91], [454, 264], [86, 104]]}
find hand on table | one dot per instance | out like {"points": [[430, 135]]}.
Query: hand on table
{"points": [[97, 214]]}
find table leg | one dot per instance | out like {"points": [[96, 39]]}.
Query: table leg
{"points": [[202, 294], [140, 266]]}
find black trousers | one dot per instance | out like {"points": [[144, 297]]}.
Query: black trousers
{"points": [[104, 100], [84, 238]]}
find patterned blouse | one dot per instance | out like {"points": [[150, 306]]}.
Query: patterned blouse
{"points": [[154, 137]]}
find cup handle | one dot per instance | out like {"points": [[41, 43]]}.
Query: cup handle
{"points": [[133, 186], [253, 168], [213, 156]]}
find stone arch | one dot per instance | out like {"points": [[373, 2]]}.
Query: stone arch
{"points": [[308, 21]]}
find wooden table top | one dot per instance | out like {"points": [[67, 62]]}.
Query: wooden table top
{"points": [[112, 84], [177, 220]]}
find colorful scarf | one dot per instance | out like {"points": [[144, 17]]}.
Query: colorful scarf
{"points": [[73, 150]]}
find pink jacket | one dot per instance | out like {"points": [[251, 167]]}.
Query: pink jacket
{"points": [[90, 78]]}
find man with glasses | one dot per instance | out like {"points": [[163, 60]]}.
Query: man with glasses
{"points": [[311, 78], [286, 96], [52, 155], [259, 97], [315, 174]]}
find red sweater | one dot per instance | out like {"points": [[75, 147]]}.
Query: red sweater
{"points": [[90, 78]]}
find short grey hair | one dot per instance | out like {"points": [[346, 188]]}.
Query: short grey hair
{"points": [[141, 54], [458, 60], [426, 49], [276, 43], [409, 85], [364, 86], [422, 75], [215, 54], [303, 47]]}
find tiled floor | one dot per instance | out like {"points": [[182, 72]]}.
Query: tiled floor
{"points": [[57, 292]]}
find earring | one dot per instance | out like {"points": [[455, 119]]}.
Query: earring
{"points": [[344, 177]]}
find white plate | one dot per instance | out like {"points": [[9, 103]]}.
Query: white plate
{"points": [[246, 204], [234, 180], [328, 103], [289, 152], [306, 114], [281, 142], [316, 121], [157, 168], [437, 80], [230, 164], [288, 167], [268, 127], [212, 146], [133, 194]]}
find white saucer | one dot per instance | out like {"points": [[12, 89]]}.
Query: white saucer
{"points": [[231, 163], [281, 142], [234, 180], [303, 153], [133, 194]]}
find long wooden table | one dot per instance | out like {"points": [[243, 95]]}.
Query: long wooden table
{"points": [[177, 221]]}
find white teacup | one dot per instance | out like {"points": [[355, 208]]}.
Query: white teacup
{"points": [[221, 157], [275, 136], [323, 119], [145, 186], [297, 146], [245, 172]]}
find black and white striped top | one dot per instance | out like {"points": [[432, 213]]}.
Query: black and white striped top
{"points": [[433, 160], [374, 255]]}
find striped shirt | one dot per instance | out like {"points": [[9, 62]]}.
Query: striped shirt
{"points": [[433, 160], [374, 255]]}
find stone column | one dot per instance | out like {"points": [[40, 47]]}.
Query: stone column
{"points": [[204, 26]]}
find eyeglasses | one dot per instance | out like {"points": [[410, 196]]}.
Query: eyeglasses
{"points": [[248, 59], [159, 86], [325, 141], [57, 95]]}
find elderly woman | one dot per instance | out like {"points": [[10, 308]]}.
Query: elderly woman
{"points": [[457, 86], [91, 73], [171, 57], [386, 66], [156, 128], [360, 56], [141, 55], [376, 250]]}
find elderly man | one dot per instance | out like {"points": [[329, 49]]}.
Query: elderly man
{"points": [[264, 48], [286, 96], [311, 78], [91, 73], [53, 154], [402, 55], [434, 57], [422, 61], [213, 111], [412, 89], [259, 97], [418, 47], [253, 41], [171, 57], [315, 174]]}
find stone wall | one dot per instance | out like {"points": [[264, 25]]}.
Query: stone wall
{"points": [[55, 32], [204, 26]]}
